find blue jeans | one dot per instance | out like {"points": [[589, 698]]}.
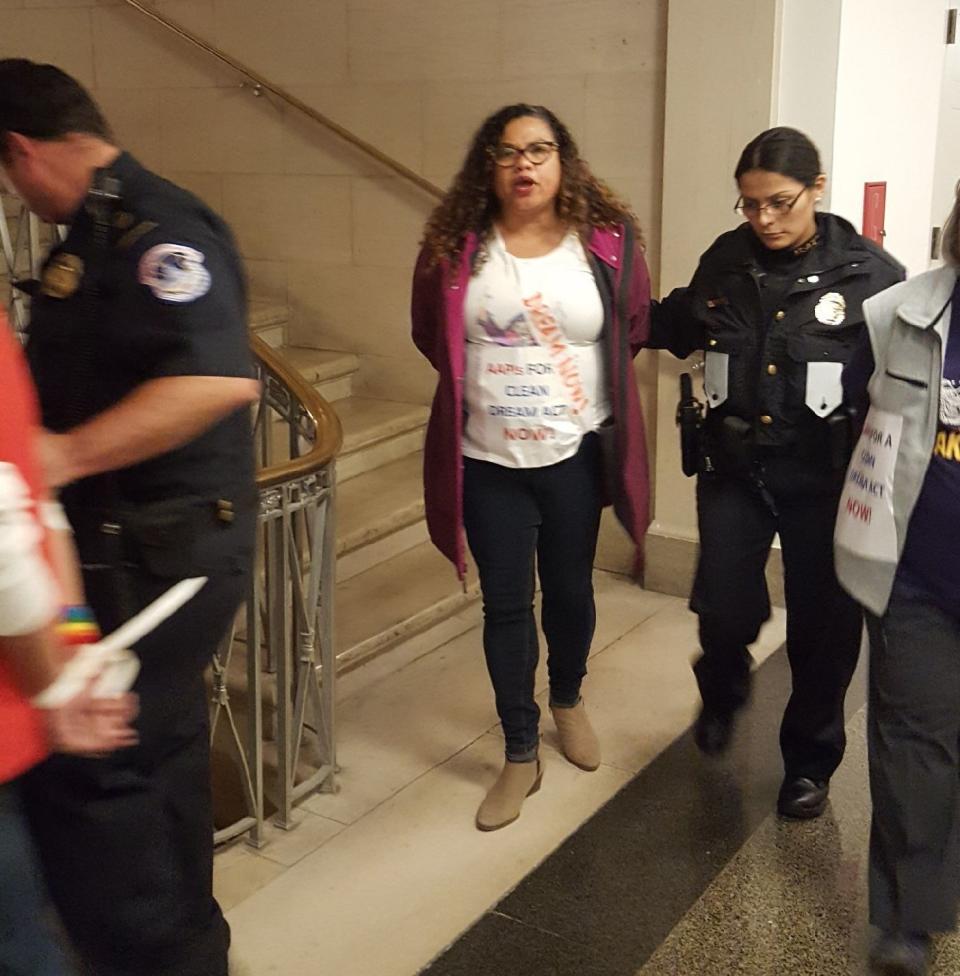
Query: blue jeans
{"points": [[27, 944], [519, 520]]}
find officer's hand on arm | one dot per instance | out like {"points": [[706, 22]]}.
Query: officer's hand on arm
{"points": [[856, 375], [673, 325], [157, 417]]}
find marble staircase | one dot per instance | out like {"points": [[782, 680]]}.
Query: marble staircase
{"points": [[391, 582]]}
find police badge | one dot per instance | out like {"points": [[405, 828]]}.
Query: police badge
{"points": [[831, 309], [61, 277]]}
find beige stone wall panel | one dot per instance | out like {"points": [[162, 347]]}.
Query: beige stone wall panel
{"points": [[268, 280], [133, 52], [134, 115], [290, 218], [427, 40], [361, 310], [387, 222], [221, 130], [290, 42], [542, 37], [389, 116], [207, 186], [642, 192], [59, 4], [61, 37], [624, 112]]}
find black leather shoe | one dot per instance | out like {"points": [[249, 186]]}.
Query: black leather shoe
{"points": [[801, 798], [713, 731], [896, 954]]}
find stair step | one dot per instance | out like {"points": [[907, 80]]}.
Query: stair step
{"points": [[330, 372], [269, 320], [381, 501], [379, 515], [396, 599], [376, 432]]}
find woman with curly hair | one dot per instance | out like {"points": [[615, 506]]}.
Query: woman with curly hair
{"points": [[530, 299]]}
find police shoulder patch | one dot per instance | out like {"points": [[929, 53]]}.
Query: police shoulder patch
{"points": [[174, 273]]}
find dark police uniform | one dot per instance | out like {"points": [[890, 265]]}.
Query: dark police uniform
{"points": [[776, 329], [147, 286]]}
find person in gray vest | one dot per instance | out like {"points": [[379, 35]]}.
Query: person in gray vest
{"points": [[897, 537]]}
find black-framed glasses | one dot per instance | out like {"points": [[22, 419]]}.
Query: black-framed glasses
{"points": [[778, 207], [537, 152]]}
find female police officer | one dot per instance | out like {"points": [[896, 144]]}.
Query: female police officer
{"points": [[776, 305]]}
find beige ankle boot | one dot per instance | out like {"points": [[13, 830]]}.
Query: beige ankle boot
{"points": [[503, 803], [578, 741]]}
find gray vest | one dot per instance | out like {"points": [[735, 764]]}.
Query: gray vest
{"points": [[908, 326]]}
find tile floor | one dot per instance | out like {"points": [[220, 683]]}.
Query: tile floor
{"points": [[379, 878]]}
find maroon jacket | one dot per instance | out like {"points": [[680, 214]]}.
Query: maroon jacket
{"points": [[437, 311]]}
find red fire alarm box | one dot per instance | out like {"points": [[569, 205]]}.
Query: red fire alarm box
{"points": [[874, 211]]}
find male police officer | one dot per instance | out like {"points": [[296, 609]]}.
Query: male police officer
{"points": [[138, 345]]}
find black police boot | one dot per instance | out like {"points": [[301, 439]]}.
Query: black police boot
{"points": [[801, 798], [713, 731], [897, 954]]}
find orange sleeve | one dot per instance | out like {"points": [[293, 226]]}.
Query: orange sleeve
{"points": [[19, 414]]}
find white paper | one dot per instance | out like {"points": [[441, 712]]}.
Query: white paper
{"points": [[865, 520], [716, 376], [824, 387], [110, 658], [151, 616]]}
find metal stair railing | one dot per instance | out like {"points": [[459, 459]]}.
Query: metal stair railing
{"points": [[22, 246], [280, 650]]}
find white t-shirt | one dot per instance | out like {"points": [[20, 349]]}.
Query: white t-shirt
{"points": [[28, 594], [535, 380]]}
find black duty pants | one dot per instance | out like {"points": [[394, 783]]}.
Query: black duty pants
{"points": [[127, 841], [519, 520], [914, 747], [737, 525]]}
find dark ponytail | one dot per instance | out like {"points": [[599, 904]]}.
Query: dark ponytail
{"points": [[781, 150]]}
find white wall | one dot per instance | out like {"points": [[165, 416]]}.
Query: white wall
{"points": [[809, 59], [947, 169], [887, 109]]}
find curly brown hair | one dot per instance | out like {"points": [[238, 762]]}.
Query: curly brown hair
{"points": [[583, 201]]}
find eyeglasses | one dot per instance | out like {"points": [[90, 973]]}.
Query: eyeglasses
{"points": [[537, 152], [777, 208]]}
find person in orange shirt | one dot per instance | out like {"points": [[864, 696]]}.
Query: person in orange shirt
{"points": [[35, 575]]}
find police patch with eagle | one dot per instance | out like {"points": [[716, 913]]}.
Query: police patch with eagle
{"points": [[174, 273]]}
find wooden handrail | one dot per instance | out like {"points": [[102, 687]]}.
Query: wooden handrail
{"points": [[326, 422], [263, 84]]}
